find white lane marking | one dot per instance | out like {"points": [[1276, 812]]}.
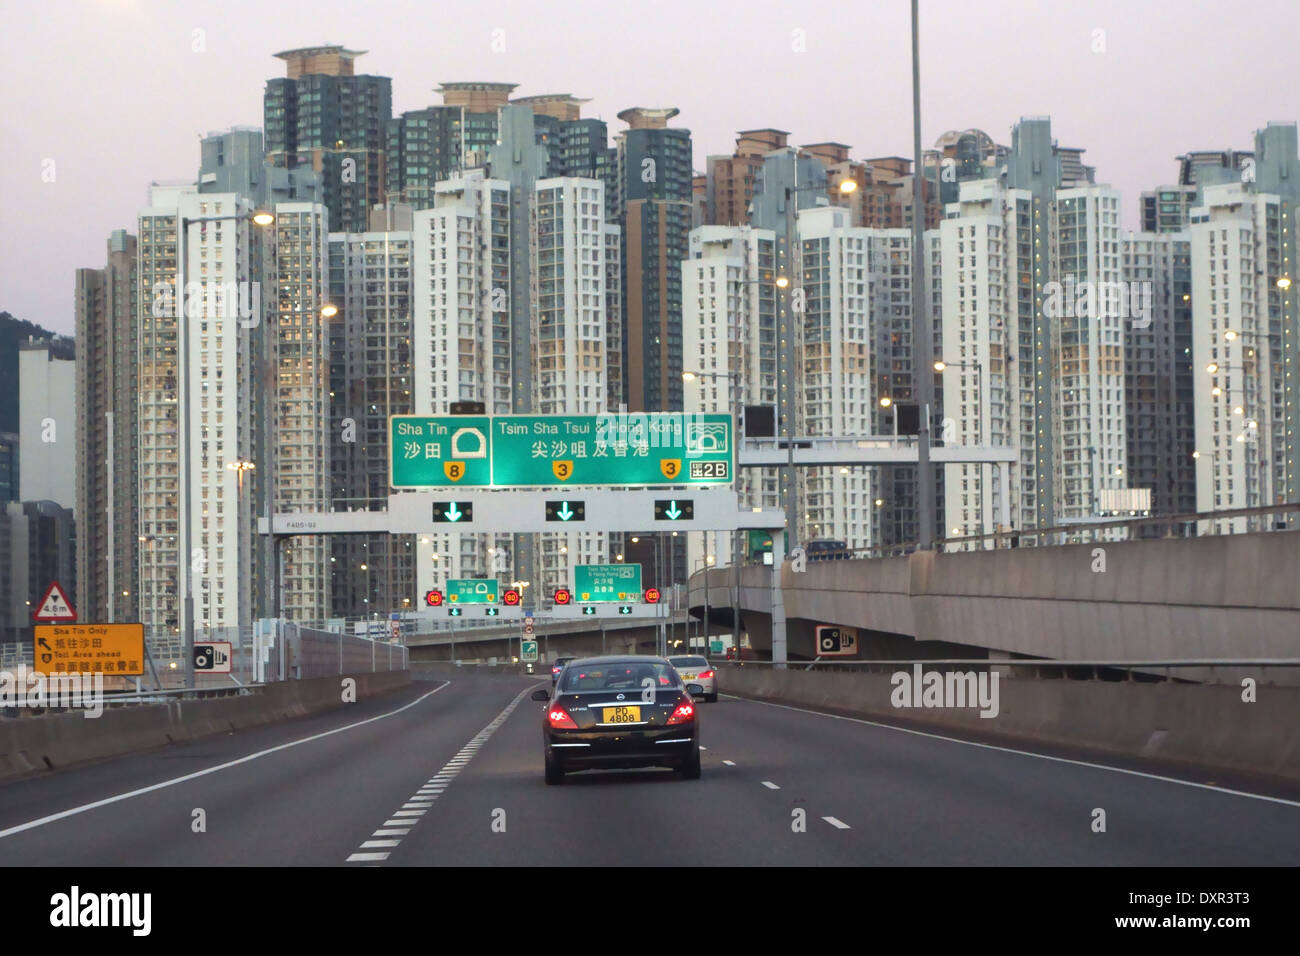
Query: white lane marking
{"points": [[770, 785], [702, 747], [1027, 753], [729, 763], [394, 831], [418, 805], [62, 814], [838, 824]]}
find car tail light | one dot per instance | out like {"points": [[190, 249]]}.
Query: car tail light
{"points": [[560, 720], [684, 713], [707, 675]]}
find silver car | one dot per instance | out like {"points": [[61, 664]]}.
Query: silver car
{"points": [[697, 670]]}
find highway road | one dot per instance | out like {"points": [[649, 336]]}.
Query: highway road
{"points": [[450, 773]]}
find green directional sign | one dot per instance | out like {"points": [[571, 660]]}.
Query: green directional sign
{"points": [[659, 448], [447, 452], [528, 651], [555, 451], [472, 591], [606, 583]]}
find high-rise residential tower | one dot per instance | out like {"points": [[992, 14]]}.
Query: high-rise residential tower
{"points": [[1026, 364], [107, 391], [324, 116], [370, 380], [1158, 373], [1246, 334], [654, 203]]}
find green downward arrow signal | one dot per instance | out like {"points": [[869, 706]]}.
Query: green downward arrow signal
{"points": [[564, 513], [673, 512], [454, 513]]}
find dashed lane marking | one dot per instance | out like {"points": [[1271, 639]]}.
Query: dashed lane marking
{"points": [[418, 805]]}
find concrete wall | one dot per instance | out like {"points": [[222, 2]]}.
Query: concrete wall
{"points": [[1224, 596], [1189, 723], [31, 743]]}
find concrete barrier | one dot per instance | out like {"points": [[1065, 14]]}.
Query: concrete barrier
{"points": [[1206, 725], [30, 744]]}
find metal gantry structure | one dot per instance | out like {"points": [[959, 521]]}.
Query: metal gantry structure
{"points": [[627, 510]]}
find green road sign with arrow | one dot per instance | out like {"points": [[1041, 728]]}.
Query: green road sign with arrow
{"points": [[606, 583]]}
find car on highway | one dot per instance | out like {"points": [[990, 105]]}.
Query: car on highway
{"points": [[696, 670], [614, 713], [558, 666]]}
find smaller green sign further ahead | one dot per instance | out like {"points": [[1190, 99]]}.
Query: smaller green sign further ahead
{"points": [[602, 583], [528, 652], [472, 591]]}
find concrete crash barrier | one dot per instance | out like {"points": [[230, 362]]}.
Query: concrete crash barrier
{"points": [[1208, 725], [29, 744]]}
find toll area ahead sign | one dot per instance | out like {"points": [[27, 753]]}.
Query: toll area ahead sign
{"points": [[114, 650]]}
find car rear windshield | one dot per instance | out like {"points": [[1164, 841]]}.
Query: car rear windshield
{"points": [[628, 676], [688, 662]]}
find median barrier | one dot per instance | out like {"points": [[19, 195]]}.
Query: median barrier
{"points": [[1207, 725]]}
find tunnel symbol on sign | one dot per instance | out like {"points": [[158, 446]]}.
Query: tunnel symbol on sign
{"points": [[477, 443]]}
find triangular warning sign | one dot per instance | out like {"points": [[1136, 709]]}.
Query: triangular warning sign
{"points": [[55, 606]]}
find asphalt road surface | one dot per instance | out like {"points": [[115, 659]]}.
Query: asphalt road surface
{"points": [[450, 773]]}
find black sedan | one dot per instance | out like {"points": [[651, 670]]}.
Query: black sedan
{"points": [[620, 712]]}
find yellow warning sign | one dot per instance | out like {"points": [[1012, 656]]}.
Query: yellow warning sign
{"points": [[109, 649]]}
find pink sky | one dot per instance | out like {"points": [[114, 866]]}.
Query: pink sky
{"points": [[115, 93]]}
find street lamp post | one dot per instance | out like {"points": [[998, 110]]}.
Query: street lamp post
{"points": [[735, 551], [185, 526], [922, 335]]}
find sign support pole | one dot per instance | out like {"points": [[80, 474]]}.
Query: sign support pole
{"points": [[778, 604]]}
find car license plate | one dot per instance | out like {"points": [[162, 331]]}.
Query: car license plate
{"points": [[622, 715]]}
